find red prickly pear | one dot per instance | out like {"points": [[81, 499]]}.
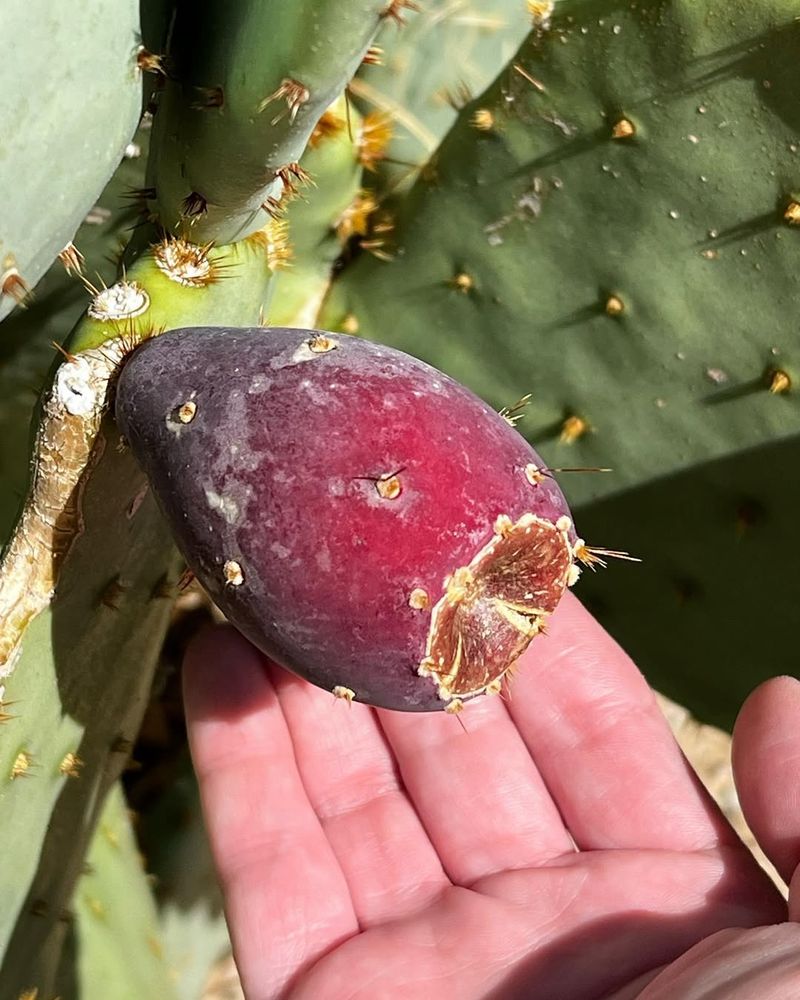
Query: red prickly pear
{"points": [[365, 520]]}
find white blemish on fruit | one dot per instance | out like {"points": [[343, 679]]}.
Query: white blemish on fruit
{"points": [[227, 507], [280, 550], [233, 573], [259, 385], [345, 693]]}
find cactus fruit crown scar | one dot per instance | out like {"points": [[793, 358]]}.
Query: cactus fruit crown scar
{"points": [[364, 519]]}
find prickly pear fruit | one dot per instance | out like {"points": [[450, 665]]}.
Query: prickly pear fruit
{"points": [[365, 520]]}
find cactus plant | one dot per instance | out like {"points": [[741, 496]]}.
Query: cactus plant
{"points": [[66, 615], [637, 179], [447, 53], [84, 120], [613, 219], [115, 919]]}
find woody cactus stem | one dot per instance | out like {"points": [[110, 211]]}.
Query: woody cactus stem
{"points": [[246, 85]]}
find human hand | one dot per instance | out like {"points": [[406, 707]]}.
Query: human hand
{"points": [[555, 846]]}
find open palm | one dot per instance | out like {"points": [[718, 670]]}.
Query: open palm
{"points": [[555, 845]]}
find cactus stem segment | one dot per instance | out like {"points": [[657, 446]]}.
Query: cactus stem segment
{"points": [[52, 517]]}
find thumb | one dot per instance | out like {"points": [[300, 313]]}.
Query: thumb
{"points": [[766, 768]]}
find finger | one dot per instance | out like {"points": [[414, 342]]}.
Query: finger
{"points": [[603, 746], [766, 768], [734, 964], [286, 898], [476, 790], [351, 780]]}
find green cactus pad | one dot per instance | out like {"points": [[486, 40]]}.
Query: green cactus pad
{"points": [[444, 55], [247, 85], [79, 687], [336, 174], [620, 243], [120, 954], [712, 609], [70, 98]]}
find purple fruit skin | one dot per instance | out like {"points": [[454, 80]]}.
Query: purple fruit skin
{"points": [[276, 470]]}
